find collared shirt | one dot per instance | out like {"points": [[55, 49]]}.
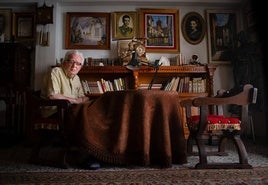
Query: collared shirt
{"points": [[57, 82]]}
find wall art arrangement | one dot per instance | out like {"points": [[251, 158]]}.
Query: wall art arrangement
{"points": [[5, 25], [193, 28], [222, 26], [87, 30], [124, 25]]}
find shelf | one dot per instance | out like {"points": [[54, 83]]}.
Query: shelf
{"points": [[144, 69]]}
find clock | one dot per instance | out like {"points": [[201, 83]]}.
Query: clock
{"points": [[140, 49], [44, 15]]}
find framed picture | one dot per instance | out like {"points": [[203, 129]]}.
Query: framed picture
{"points": [[193, 28], [222, 30], [160, 28], [251, 15], [87, 30], [123, 51], [5, 25], [44, 15], [24, 26], [124, 25]]}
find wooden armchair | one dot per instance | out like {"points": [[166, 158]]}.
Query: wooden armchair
{"points": [[212, 120], [46, 130]]}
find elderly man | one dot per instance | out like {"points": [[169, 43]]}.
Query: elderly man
{"points": [[63, 83]]}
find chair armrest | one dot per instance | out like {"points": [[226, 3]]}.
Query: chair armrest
{"points": [[60, 103], [63, 104], [186, 102], [242, 98]]}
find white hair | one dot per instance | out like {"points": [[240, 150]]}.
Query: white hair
{"points": [[74, 52]]}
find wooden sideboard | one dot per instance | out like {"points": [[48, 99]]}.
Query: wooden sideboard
{"points": [[145, 74]]}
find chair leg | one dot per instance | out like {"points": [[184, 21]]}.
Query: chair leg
{"points": [[221, 147], [201, 152], [35, 158], [66, 149], [45, 138], [190, 145], [243, 157]]}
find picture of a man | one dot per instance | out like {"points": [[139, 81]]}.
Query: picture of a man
{"points": [[126, 29]]}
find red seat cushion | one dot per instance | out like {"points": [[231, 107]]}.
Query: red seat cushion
{"points": [[215, 122]]}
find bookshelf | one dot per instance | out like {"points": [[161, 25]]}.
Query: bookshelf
{"points": [[133, 79]]}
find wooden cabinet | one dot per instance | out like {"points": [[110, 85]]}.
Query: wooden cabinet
{"points": [[15, 77], [145, 74], [15, 64]]}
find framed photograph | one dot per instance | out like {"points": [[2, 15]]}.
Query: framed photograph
{"points": [[123, 51], [222, 30], [160, 28], [87, 30], [24, 26], [193, 28], [124, 25], [5, 25]]}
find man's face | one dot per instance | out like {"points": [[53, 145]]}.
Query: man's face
{"points": [[126, 21], [73, 65]]}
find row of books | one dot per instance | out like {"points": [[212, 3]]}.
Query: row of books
{"points": [[186, 84], [101, 86], [179, 84], [155, 86], [178, 60]]}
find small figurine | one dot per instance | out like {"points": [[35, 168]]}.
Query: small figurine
{"points": [[194, 60]]}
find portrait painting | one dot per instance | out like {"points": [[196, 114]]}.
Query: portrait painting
{"points": [[160, 28], [222, 26], [87, 30], [193, 28], [5, 25], [124, 25]]}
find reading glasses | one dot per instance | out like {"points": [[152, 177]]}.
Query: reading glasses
{"points": [[74, 62]]}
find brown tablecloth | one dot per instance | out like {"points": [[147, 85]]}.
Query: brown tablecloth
{"points": [[134, 127]]}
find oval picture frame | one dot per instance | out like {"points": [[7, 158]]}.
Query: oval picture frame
{"points": [[193, 28]]}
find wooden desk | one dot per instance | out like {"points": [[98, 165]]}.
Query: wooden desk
{"points": [[133, 127]]}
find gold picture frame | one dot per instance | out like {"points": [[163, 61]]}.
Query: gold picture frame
{"points": [[24, 25], [86, 30], [222, 26], [5, 24], [193, 28], [126, 30], [160, 28]]}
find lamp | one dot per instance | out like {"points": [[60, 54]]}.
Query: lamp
{"points": [[134, 62]]}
